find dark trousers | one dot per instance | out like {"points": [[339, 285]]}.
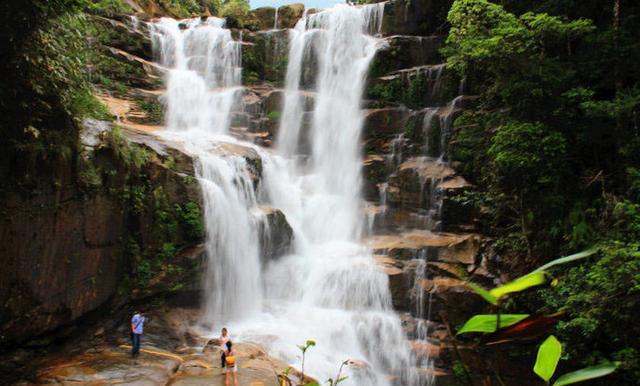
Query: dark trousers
{"points": [[135, 344]]}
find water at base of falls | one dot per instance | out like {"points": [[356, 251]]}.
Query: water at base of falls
{"points": [[329, 288]]}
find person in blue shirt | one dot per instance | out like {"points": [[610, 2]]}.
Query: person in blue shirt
{"points": [[137, 324]]}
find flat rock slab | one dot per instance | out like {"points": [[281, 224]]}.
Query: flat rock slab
{"points": [[109, 367], [114, 365], [446, 247]]}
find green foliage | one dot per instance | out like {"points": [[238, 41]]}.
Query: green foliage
{"points": [[89, 178], [163, 215], [167, 251], [527, 154], [85, 104], [387, 92], [137, 195], [305, 347], [486, 295], [43, 90], [145, 273], [520, 284], [488, 323], [108, 8], [460, 373], [250, 77], [410, 89], [533, 279], [586, 374], [191, 220], [509, 52], [236, 12], [132, 155], [482, 32], [153, 110], [550, 350], [411, 131], [601, 300], [187, 8], [548, 357], [274, 115], [567, 259]]}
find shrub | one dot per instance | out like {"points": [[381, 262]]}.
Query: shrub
{"points": [[236, 12]]}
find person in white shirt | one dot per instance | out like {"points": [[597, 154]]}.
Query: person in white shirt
{"points": [[223, 339]]}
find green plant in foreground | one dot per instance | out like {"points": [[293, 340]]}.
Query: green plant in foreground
{"points": [[304, 348], [550, 350], [285, 380]]}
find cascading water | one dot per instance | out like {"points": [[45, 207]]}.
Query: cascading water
{"points": [[204, 78], [203, 84], [329, 288]]}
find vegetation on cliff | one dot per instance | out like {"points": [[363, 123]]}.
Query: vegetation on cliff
{"points": [[554, 150]]}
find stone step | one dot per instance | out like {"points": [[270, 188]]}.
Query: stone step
{"points": [[443, 247], [427, 290]]}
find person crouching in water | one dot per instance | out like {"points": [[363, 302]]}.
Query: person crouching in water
{"points": [[224, 338], [231, 365]]}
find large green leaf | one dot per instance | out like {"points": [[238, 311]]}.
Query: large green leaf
{"points": [[587, 373], [520, 284], [487, 322], [567, 259], [486, 295], [548, 357]]}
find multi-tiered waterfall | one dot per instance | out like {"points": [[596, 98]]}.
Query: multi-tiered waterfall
{"points": [[329, 288]]}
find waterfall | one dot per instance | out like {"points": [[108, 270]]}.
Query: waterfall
{"points": [[204, 80], [275, 19], [329, 288], [203, 84]]}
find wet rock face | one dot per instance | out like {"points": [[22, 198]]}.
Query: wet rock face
{"points": [[264, 56], [60, 259], [404, 52], [120, 35], [276, 235], [416, 17], [66, 251], [382, 125]]}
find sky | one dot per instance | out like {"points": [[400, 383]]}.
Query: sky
{"points": [[307, 3]]}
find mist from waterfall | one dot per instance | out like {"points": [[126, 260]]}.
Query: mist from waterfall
{"points": [[329, 288]]}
